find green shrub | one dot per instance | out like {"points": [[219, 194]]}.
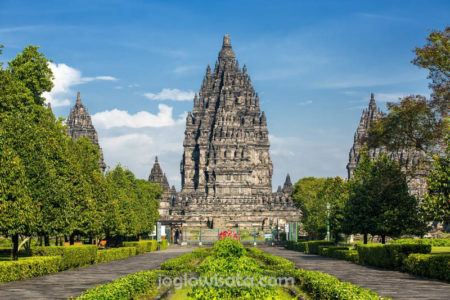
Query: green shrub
{"points": [[428, 265], [432, 242], [297, 246], [126, 287], [388, 256], [142, 246], [186, 262], [114, 254], [323, 250], [271, 262], [350, 255], [312, 247], [324, 286], [164, 244], [228, 247], [71, 256], [28, 267]]}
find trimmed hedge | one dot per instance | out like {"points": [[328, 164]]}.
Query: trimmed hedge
{"points": [[164, 244], [312, 247], [350, 255], [432, 242], [126, 287], [114, 254], [28, 267], [71, 256], [187, 262], [428, 265], [297, 246], [329, 250], [324, 286], [272, 262], [389, 256], [142, 246]]}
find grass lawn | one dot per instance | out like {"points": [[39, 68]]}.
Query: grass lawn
{"points": [[440, 250]]}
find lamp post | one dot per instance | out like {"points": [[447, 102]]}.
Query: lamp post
{"points": [[328, 221]]}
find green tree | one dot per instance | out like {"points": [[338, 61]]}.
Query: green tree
{"points": [[379, 201], [421, 124], [436, 204], [335, 193], [306, 197], [32, 68]]}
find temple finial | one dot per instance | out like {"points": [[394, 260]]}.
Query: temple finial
{"points": [[226, 41], [78, 98], [226, 53], [156, 158], [372, 103]]}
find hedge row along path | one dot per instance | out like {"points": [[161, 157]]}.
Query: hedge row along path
{"points": [[71, 283], [385, 283]]}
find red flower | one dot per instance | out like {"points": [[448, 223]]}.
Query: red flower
{"points": [[228, 234]]}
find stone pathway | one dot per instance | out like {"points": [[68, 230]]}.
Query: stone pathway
{"points": [[386, 283], [71, 283]]}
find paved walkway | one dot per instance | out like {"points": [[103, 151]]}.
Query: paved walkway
{"points": [[71, 283], [386, 283]]}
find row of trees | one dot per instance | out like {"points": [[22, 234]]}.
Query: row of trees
{"points": [[376, 201], [51, 185]]}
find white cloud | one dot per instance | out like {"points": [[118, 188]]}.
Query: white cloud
{"points": [[171, 94], [389, 97], [133, 85], [304, 103], [120, 118], [65, 78], [184, 69], [136, 148]]}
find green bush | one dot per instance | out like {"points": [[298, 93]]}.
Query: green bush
{"points": [[297, 246], [142, 246], [28, 267], [164, 244], [71, 256], [126, 287], [389, 256], [432, 242], [271, 262], [228, 247], [428, 265], [350, 255], [312, 247], [114, 254], [186, 262], [324, 286]]}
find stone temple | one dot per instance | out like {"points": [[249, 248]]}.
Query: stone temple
{"points": [[79, 124], [407, 157], [226, 170]]}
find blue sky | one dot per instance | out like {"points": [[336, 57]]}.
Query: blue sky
{"points": [[313, 63]]}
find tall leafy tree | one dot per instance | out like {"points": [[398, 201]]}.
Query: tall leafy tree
{"points": [[32, 68], [379, 202], [306, 197]]}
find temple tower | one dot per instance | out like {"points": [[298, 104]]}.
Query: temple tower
{"points": [[79, 124], [226, 145]]}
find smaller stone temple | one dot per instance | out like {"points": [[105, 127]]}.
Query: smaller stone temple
{"points": [[407, 157], [157, 176], [79, 124]]}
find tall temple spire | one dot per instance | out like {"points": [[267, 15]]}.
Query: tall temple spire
{"points": [[79, 99], [79, 124], [372, 104], [157, 176], [287, 187]]}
